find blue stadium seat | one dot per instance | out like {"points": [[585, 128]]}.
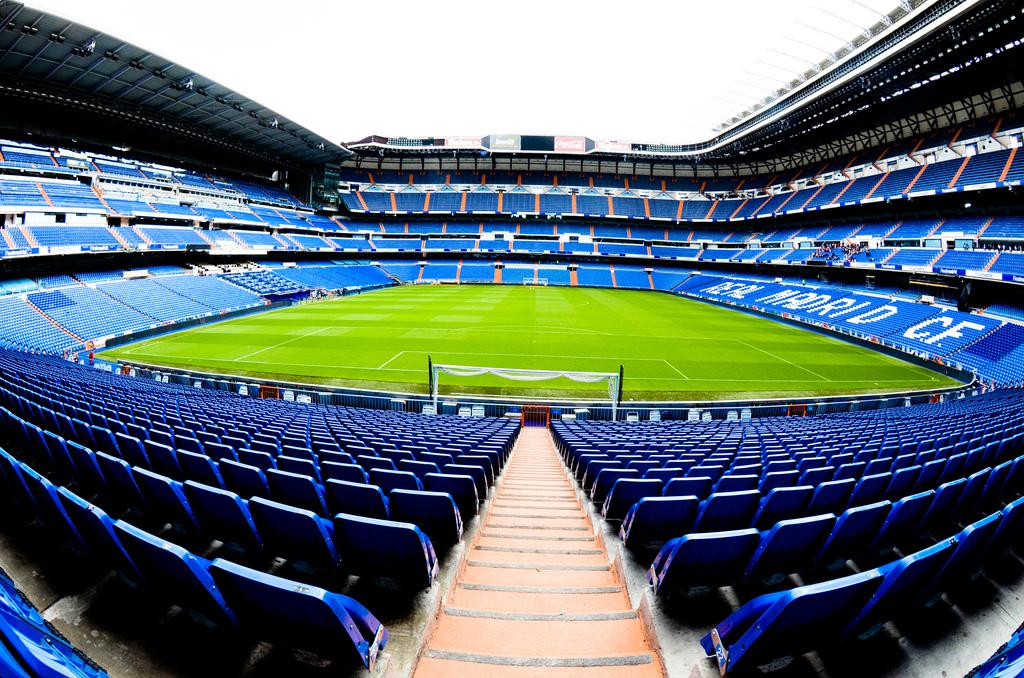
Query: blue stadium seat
{"points": [[728, 511], [737, 482], [941, 509], [702, 559], [971, 544], [306, 617], [297, 490], [477, 473], [368, 461], [435, 513], [166, 498], [200, 468], [607, 477], [853, 532], [87, 470], [171, 571], [782, 503], [461, 488], [903, 519], [699, 487], [132, 450], [626, 492], [869, 489], [49, 508], [258, 458], [122, 490], [294, 533], [419, 468], [356, 498], [789, 545], [96, 530], [652, 521], [223, 515], [352, 473], [831, 497], [789, 622], [244, 480], [389, 480], [163, 460], [1008, 531], [377, 548], [902, 589], [302, 467]]}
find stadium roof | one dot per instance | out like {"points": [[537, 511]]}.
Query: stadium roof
{"points": [[790, 57], [566, 70], [959, 55], [127, 92]]}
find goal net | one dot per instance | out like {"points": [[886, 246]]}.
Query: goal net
{"points": [[539, 282], [612, 379]]}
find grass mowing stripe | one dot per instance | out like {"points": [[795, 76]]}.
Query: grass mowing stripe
{"points": [[672, 348]]}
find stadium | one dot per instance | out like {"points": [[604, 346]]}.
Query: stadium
{"points": [[516, 404]]}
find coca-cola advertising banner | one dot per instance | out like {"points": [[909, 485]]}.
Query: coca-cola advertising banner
{"points": [[570, 145]]}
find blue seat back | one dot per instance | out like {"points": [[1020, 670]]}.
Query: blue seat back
{"points": [[435, 513], [294, 533], [386, 548], [306, 617], [223, 515], [172, 571], [356, 498]]}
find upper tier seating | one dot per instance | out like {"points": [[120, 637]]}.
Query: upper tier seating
{"points": [[264, 282]]}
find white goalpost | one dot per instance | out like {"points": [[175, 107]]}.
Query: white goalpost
{"points": [[539, 282], [613, 379]]}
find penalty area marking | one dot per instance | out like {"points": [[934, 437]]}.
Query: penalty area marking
{"points": [[790, 362], [245, 357], [676, 369], [389, 361]]}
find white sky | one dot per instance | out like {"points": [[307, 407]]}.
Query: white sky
{"points": [[642, 70]]}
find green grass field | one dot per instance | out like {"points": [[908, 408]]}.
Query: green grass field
{"points": [[672, 348]]}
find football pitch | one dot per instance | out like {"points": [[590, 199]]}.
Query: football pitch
{"points": [[671, 348]]}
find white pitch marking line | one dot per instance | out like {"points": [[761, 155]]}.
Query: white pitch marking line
{"points": [[675, 369], [390, 360], [800, 367], [278, 345], [702, 379]]}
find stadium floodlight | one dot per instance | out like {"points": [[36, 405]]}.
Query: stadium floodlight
{"points": [[614, 379]]}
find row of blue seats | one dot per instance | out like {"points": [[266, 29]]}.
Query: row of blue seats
{"points": [[938, 176], [851, 437], [195, 480], [651, 520], [729, 557], [79, 162], [145, 409], [261, 605], [794, 493], [804, 454], [440, 508], [290, 530], [806, 618]]}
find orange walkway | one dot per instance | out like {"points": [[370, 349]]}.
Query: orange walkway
{"points": [[536, 595]]}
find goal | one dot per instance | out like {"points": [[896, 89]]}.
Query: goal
{"points": [[539, 282], [613, 379]]}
